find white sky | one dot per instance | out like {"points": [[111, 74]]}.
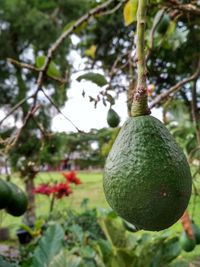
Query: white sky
{"points": [[82, 112], [77, 108]]}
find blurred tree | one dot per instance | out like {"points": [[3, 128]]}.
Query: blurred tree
{"points": [[105, 44], [37, 26]]}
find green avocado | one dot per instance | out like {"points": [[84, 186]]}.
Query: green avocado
{"points": [[163, 24], [186, 243], [196, 232], [147, 179], [18, 201], [113, 118], [4, 194]]}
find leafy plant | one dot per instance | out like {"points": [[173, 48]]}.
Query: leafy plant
{"points": [[49, 246]]}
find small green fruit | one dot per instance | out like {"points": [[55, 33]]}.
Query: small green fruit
{"points": [[163, 24], [186, 243], [18, 201], [113, 118], [196, 232], [5, 193]]}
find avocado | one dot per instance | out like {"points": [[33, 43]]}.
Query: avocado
{"points": [[4, 194], [147, 179], [186, 243], [164, 22], [113, 118], [18, 201], [196, 232]]}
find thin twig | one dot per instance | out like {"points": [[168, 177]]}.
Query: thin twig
{"points": [[152, 33], [175, 88], [111, 11], [33, 68], [23, 65], [26, 120], [40, 127], [59, 111], [21, 102], [64, 35], [195, 113], [43, 71], [189, 8]]}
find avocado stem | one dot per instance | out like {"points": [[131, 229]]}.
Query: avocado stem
{"points": [[139, 104]]}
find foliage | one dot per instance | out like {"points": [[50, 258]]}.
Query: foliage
{"points": [[5, 263], [99, 239], [49, 245], [82, 145]]}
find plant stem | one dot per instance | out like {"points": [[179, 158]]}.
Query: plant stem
{"points": [[52, 204], [139, 105]]}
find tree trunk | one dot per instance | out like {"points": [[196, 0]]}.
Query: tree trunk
{"points": [[195, 112], [30, 214]]}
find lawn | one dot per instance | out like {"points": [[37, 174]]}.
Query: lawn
{"points": [[90, 188]]}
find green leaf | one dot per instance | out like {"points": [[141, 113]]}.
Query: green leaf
{"points": [[64, 259], [52, 69], [106, 250], [68, 25], [5, 263], [171, 28], [96, 78], [77, 30], [87, 252], [114, 231], [91, 51], [130, 12], [49, 246]]}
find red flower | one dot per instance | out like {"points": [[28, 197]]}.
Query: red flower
{"points": [[43, 189], [71, 177], [62, 189]]}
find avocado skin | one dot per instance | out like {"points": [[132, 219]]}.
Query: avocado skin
{"points": [[196, 232], [113, 118], [164, 24], [186, 243], [147, 179], [4, 193], [18, 201]]}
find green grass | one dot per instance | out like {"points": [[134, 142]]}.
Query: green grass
{"points": [[91, 188]]}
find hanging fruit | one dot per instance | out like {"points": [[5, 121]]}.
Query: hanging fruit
{"points": [[186, 242], [147, 179], [4, 194], [17, 202], [113, 118]]}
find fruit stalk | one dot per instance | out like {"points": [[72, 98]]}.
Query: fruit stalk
{"points": [[187, 224], [139, 104]]}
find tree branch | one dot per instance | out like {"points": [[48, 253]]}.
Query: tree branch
{"points": [[59, 111], [43, 71], [26, 120], [175, 88], [33, 68], [189, 8], [64, 35], [21, 102], [195, 113], [152, 32]]}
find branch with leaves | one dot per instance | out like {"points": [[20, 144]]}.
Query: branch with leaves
{"points": [[100, 9], [163, 96], [188, 8]]}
